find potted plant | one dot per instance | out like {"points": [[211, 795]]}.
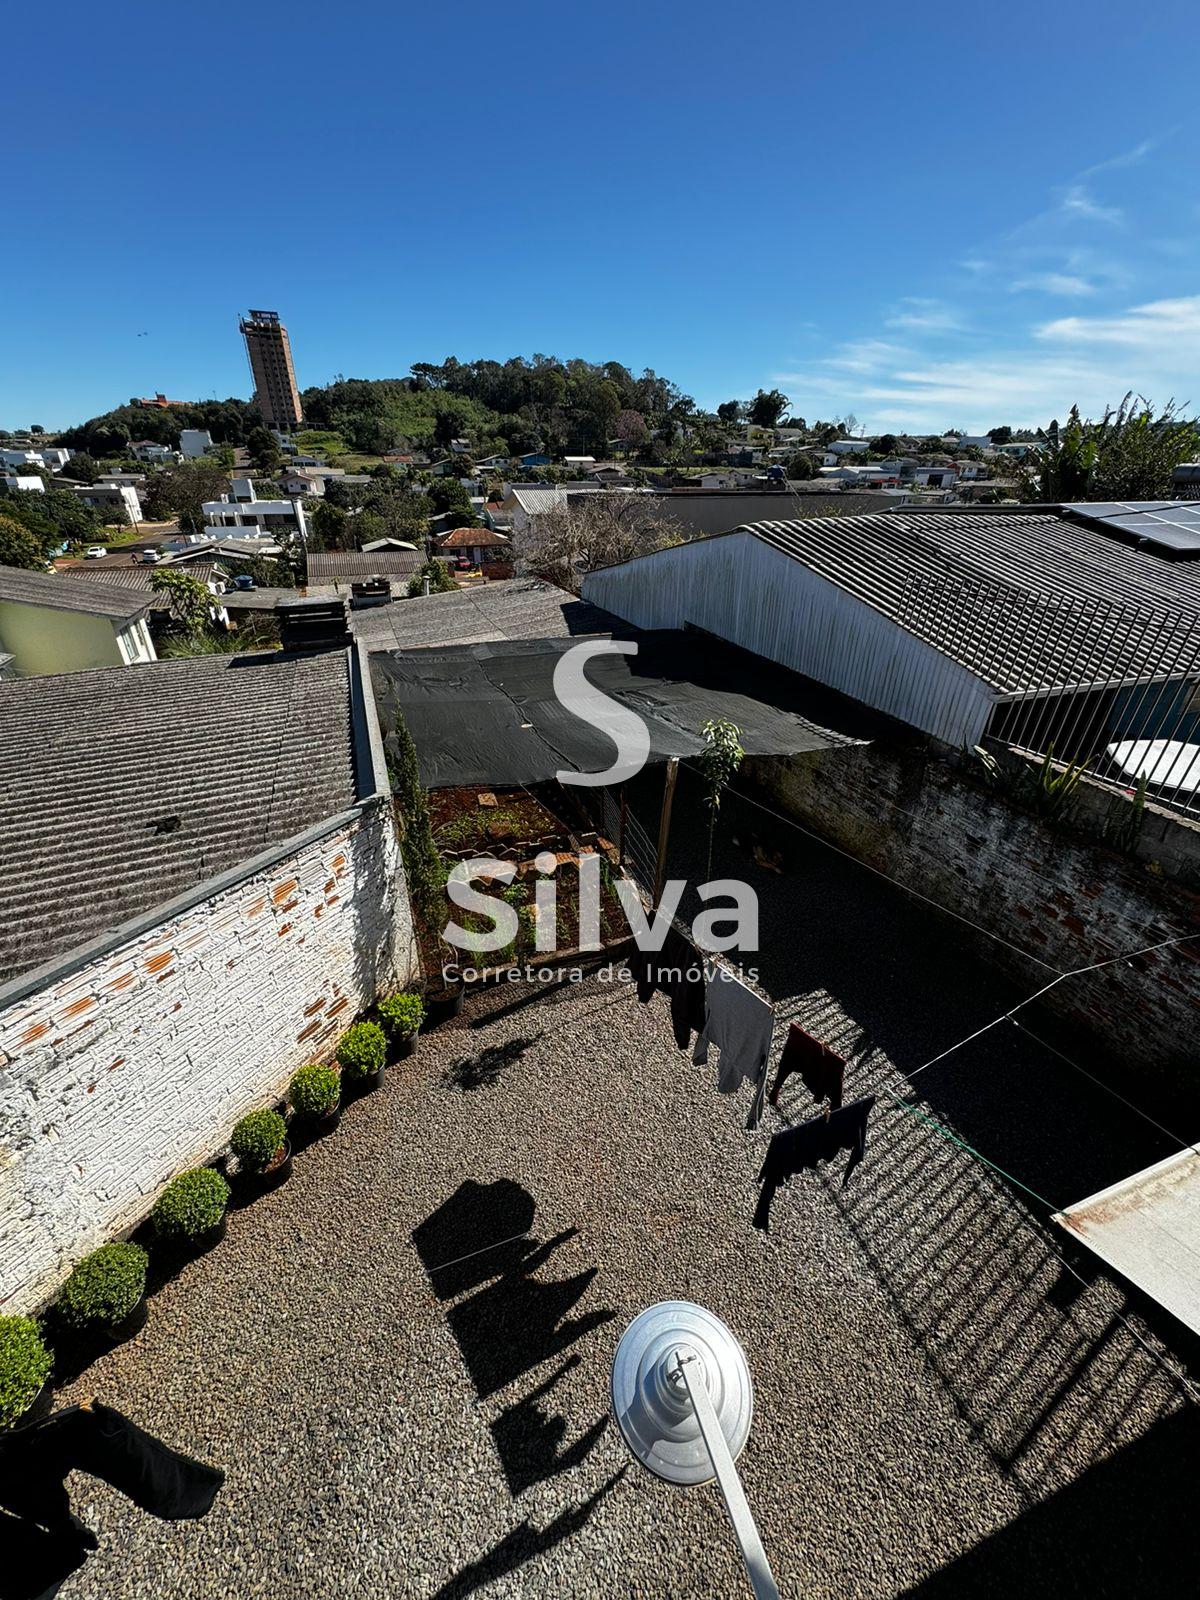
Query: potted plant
{"points": [[260, 1143], [361, 1054], [190, 1212], [315, 1092], [106, 1294], [401, 1016], [443, 1000], [25, 1365]]}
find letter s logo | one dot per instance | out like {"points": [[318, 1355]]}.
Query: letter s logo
{"points": [[591, 705]]}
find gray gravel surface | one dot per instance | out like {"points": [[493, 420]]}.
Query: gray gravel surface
{"points": [[939, 1406]]}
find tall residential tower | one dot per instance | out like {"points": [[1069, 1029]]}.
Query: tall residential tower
{"points": [[271, 367]]}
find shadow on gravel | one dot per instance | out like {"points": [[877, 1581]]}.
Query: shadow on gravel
{"points": [[1126, 1526], [482, 1070], [523, 1543], [478, 1251]]}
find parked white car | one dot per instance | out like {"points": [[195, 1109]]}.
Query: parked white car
{"points": [[150, 558], [94, 552]]}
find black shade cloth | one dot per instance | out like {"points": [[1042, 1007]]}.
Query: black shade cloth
{"points": [[800, 1148], [677, 970], [35, 1461], [488, 714]]}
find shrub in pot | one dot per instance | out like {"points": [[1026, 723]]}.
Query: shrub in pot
{"points": [[402, 1016], [260, 1143], [362, 1052], [314, 1092], [106, 1292], [25, 1365], [191, 1209]]}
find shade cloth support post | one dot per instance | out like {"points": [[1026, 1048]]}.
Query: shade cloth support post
{"points": [[664, 827]]}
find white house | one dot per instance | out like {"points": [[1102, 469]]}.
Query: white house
{"points": [[56, 623], [194, 442], [106, 496], [264, 518], [31, 483], [147, 450], [848, 447], [22, 458]]}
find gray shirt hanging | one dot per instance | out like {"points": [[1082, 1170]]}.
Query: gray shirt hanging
{"points": [[739, 1023]]}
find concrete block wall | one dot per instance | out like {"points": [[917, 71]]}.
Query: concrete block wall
{"points": [[127, 1071], [926, 822]]}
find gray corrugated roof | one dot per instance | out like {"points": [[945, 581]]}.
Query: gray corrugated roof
{"points": [[140, 577], [959, 579], [67, 593], [331, 566], [518, 608], [244, 751]]}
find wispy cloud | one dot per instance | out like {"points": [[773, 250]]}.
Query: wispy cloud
{"points": [[1124, 158], [1065, 283], [1158, 325], [1077, 202], [926, 316]]}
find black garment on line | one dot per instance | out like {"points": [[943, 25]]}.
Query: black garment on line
{"points": [[678, 972], [800, 1148], [34, 1462], [821, 1068]]}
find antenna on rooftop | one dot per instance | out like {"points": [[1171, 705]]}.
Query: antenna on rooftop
{"points": [[683, 1399]]}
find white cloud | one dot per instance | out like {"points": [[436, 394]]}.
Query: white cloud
{"points": [[1157, 326], [1077, 202], [1125, 158], [1068, 283], [925, 316]]}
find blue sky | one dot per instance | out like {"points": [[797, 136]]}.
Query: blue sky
{"points": [[924, 216]]}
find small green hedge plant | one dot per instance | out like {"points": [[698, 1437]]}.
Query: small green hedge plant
{"points": [[257, 1137], [402, 1014], [25, 1365], [104, 1287], [362, 1049], [314, 1091], [190, 1206]]}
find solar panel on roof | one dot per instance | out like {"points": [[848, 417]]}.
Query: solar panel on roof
{"points": [[1171, 527]]}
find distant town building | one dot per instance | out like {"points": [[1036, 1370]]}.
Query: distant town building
{"points": [[242, 509], [270, 354], [158, 402], [193, 443], [109, 496]]}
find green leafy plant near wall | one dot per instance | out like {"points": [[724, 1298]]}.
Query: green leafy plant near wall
{"points": [[422, 865], [191, 1205], [104, 1287], [258, 1137], [719, 760], [362, 1049], [1123, 825], [25, 1365], [401, 1014], [314, 1091]]}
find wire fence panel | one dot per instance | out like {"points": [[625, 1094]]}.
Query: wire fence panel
{"points": [[1108, 686]]}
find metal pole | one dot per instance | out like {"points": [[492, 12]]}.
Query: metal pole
{"points": [[621, 829], [664, 826], [757, 1567]]}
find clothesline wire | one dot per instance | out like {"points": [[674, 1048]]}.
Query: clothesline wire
{"points": [[1108, 1088], [1185, 1383], [1075, 972], [879, 873]]}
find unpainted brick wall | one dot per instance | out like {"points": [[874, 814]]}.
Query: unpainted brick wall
{"points": [[926, 822], [137, 1067]]}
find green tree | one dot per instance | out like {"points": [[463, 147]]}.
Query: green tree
{"points": [[886, 445], [802, 465], [82, 467], [263, 450], [767, 407], [36, 427], [730, 411], [18, 547], [1000, 436], [188, 599], [181, 491], [440, 581], [719, 761], [330, 528], [447, 494], [1127, 455]]}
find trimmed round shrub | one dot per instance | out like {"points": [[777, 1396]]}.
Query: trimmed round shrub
{"points": [[402, 1014], [362, 1049], [190, 1206], [104, 1287], [314, 1091], [25, 1365], [257, 1137]]}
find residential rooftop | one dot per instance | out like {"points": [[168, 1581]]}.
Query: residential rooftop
{"points": [[515, 608], [334, 566], [67, 592], [126, 786]]}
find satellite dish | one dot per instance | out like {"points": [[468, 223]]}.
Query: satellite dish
{"points": [[683, 1399]]}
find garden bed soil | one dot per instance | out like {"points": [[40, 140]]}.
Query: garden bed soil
{"points": [[475, 821]]}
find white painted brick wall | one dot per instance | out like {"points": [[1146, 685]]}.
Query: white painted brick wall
{"points": [[138, 1066]]}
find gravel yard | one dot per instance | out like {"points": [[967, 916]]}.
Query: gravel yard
{"points": [[940, 1407]]}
